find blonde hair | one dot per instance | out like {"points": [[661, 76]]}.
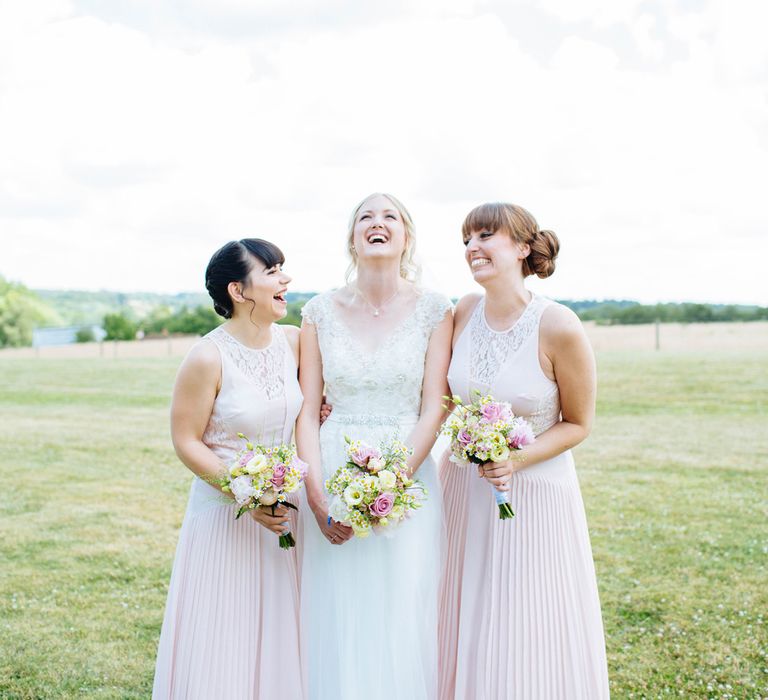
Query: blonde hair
{"points": [[521, 227], [409, 268]]}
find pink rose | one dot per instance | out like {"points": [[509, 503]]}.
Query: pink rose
{"points": [[520, 436], [495, 411], [382, 506], [278, 475], [365, 452], [246, 458], [464, 437]]}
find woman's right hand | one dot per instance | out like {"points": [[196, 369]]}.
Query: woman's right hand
{"points": [[334, 532], [277, 523]]}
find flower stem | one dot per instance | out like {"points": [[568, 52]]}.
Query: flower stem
{"points": [[287, 541], [505, 511]]}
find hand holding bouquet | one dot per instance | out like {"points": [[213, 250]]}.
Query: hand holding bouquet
{"points": [[264, 476], [373, 491], [486, 431]]}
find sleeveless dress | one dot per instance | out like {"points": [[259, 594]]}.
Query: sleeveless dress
{"points": [[369, 606], [519, 610], [231, 627]]}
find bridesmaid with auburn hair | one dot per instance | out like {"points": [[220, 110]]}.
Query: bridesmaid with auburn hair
{"points": [[519, 610], [231, 626]]}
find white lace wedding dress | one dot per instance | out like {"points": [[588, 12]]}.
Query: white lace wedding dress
{"points": [[369, 606]]}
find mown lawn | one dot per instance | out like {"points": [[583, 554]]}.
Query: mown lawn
{"points": [[675, 479]]}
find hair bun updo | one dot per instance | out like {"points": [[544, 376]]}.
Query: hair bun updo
{"points": [[518, 224], [233, 262], [544, 249]]}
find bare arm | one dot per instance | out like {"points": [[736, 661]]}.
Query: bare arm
{"points": [[462, 314], [308, 433], [434, 387], [197, 384], [564, 344]]}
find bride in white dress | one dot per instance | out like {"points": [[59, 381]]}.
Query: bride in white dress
{"points": [[380, 348]]}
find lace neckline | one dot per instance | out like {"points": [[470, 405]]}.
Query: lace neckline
{"points": [[518, 321], [396, 330], [490, 349], [231, 339]]}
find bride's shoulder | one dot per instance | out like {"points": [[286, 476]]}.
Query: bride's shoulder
{"points": [[316, 309], [433, 306]]}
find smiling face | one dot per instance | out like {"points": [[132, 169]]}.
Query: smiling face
{"points": [[263, 293], [379, 230], [490, 253]]}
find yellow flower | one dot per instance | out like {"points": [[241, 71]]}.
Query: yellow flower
{"points": [[361, 530], [500, 453]]}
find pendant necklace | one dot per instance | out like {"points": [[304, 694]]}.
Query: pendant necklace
{"points": [[376, 309]]}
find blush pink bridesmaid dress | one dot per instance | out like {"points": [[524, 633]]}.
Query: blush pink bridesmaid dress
{"points": [[519, 610], [231, 625]]}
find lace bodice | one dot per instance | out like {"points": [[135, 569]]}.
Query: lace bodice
{"points": [[491, 349], [506, 364], [259, 395], [264, 369], [387, 381]]}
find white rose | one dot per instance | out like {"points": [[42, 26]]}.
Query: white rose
{"points": [[387, 479], [375, 464], [338, 510], [242, 489], [268, 498], [257, 463]]}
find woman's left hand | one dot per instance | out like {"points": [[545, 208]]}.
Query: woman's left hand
{"points": [[498, 474]]}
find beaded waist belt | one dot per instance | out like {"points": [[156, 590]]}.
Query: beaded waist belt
{"points": [[372, 418]]}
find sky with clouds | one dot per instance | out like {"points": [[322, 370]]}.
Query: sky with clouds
{"points": [[136, 138]]}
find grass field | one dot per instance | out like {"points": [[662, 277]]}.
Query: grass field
{"points": [[674, 476]]}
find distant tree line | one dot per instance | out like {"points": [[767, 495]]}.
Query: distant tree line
{"points": [[626, 313], [123, 316], [185, 321]]}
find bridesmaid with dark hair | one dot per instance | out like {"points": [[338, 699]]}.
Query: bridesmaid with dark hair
{"points": [[519, 611], [231, 626]]}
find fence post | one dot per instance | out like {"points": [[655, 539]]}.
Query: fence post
{"points": [[658, 326]]}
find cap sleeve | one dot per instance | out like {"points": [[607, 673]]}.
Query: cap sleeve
{"points": [[434, 307], [312, 311]]}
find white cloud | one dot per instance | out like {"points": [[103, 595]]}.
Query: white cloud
{"points": [[135, 144]]}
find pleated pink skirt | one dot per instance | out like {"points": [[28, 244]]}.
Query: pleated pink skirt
{"points": [[519, 609], [231, 627]]}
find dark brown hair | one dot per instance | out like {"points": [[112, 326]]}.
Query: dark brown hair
{"points": [[233, 262]]}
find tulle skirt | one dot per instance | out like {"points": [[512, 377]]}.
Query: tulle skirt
{"points": [[231, 627], [519, 609], [369, 606]]}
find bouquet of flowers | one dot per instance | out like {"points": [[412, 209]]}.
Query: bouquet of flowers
{"points": [[372, 490], [486, 431], [264, 476]]}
